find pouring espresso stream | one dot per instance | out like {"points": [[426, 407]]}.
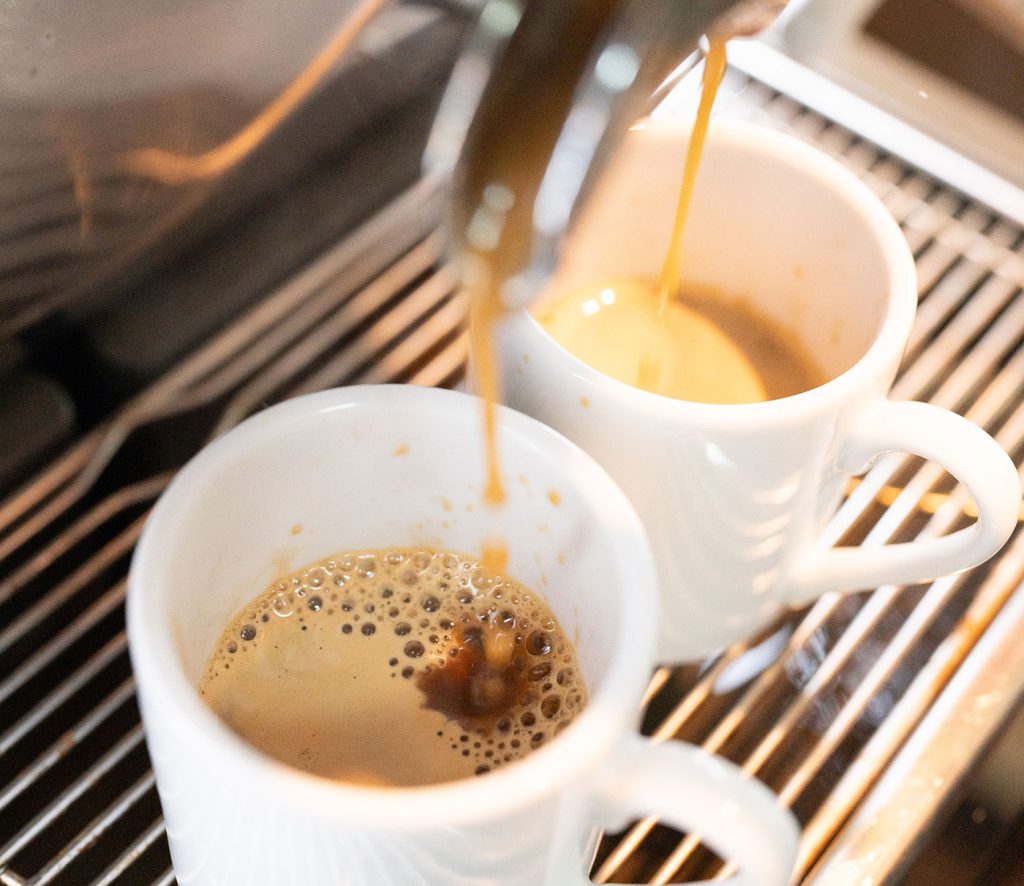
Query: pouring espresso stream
{"points": [[506, 160], [646, 335]]}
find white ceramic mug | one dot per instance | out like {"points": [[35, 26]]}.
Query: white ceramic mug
{"points": [[734, 497], [374, 467]]}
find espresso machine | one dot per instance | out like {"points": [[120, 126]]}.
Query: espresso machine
{"points": [[207, 208]]}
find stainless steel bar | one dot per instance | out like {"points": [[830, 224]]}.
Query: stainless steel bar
{"points": [[904, 199], [1013, 430], [94, 830], [873, 847], [940, 260], [117, 548], [810, 126], [60, 641], [127, 858], [60, 694], [24, 516], [922, 227], [911, 708], [1006, 235], [837, 141], [78, 531], [446, 321], [920, 795], [347, 266], [944, 301], [881, 672], [996, 309], [318, 339], [446, 367], [87, 781], [866, 619], [60, 748], [880, 177], [311, 322], [968, 234], [57, 474], [658, 680], [394, 327]]}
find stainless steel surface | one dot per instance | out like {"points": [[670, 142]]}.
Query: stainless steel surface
{"points": [[951, 68], [126, 129], [846, 709], [941, 751], [981, 838], [538, 102], [882, 127]]}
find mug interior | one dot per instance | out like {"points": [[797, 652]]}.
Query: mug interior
{"points": [[379, 467], [774, 225]]}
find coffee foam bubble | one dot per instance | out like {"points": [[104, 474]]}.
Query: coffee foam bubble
{"points": [[420, 616]]}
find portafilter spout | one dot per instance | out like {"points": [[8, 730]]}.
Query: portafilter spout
{"points": [[536, 105]]}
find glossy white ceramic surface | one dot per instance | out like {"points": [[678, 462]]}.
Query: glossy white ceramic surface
{"points": [[734, 497], [392, 466]]}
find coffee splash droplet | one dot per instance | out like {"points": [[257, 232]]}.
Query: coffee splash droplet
{"points": [[480, 682]]}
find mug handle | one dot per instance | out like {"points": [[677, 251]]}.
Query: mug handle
{"points": [[698, 793], [966, 452]]}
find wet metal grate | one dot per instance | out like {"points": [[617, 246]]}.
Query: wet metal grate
{"points": [[861, 712]]}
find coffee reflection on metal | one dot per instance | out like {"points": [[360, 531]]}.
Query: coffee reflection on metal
{"points": [[929, 503], [171, 168], [122, 121], [863, 711]]}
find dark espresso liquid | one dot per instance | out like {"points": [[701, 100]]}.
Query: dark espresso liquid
{"points": [[395, 667]]}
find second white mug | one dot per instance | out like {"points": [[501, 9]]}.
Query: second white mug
{"points": [[734, 497]]}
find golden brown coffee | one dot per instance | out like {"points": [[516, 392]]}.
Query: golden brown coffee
{"points": [[395, 667], [705, 347]]}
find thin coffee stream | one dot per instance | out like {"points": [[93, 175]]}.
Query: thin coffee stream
{"points": [[395, 667], [701, 347]]}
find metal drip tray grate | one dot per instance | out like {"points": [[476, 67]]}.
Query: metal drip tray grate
{"points": [[862, 712]]}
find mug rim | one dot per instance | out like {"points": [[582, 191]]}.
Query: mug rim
{"points": [[893, 331], [591, 737]]}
